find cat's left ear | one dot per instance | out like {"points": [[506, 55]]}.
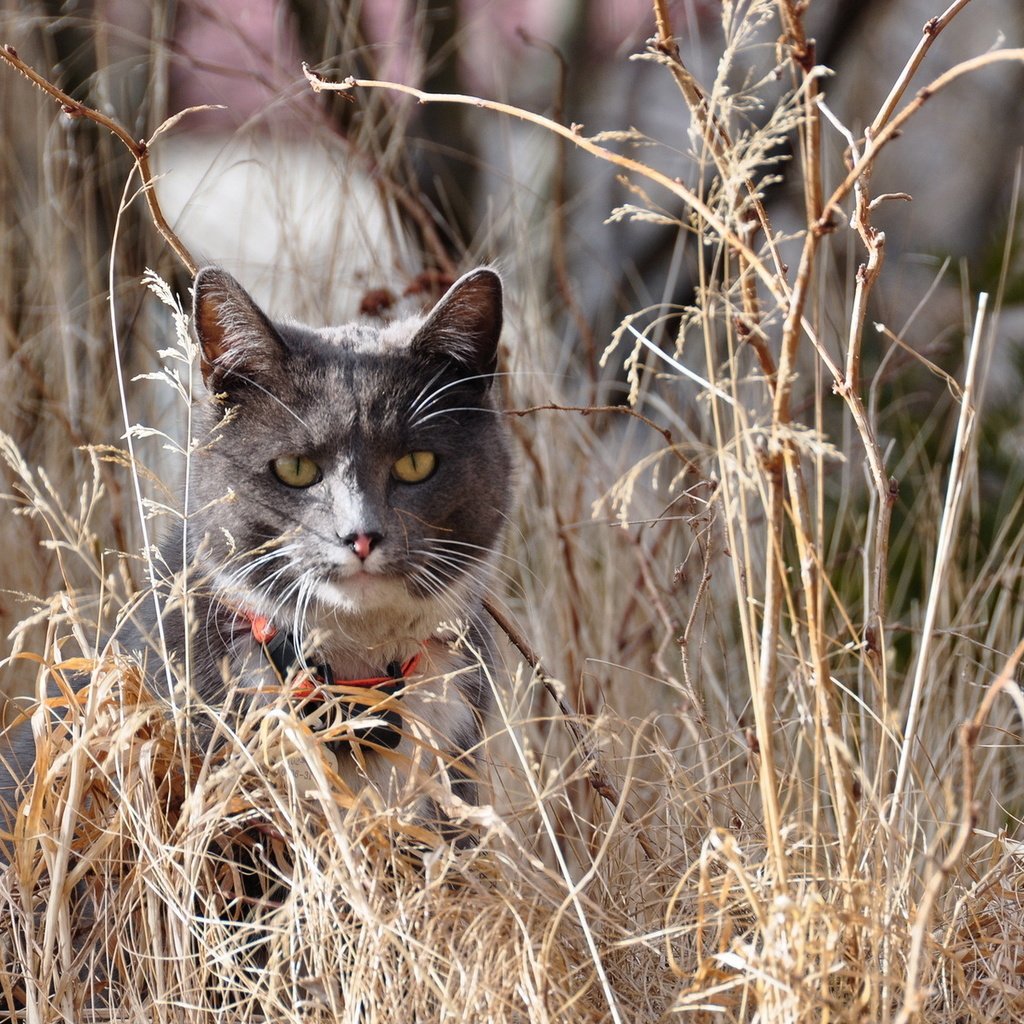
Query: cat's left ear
{"points": [[465, 325], [235, 336]]}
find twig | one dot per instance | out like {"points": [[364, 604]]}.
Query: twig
{"points": [[891, 128], [138, 149], [929, 34], [886, 487], [596, 774], [849, 389], [587, 410], [774, 282]]}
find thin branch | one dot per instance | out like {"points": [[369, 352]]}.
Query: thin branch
{"points": [[138, 149], [574, 134], [597, 776], [929, 34], [891, 128], [849, 389], [587, 410], [713, 131]]}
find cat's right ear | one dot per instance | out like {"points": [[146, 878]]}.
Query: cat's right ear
{"points": [[465, 325], [235, 337]]}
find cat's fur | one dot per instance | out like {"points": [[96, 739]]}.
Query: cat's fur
{"points": [[363, 569]]}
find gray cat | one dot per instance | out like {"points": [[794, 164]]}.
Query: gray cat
{"points": [[347, 497]]}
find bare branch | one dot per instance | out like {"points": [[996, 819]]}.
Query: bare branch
{"points": [[875, 143], [929, 34], [774, 282], [138, 149]]}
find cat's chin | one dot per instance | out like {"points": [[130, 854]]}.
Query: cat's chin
{"points": [[361, 592]]}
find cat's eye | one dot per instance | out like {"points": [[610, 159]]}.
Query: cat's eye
{"points": [[414, 467], [296, 471]]}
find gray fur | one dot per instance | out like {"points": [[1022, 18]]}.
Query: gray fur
{"points": [[354, 399]]}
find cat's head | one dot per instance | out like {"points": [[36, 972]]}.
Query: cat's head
{"points": [[362, 470]]}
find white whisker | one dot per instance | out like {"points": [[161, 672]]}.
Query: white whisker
{"points": [[424, 395], [423, 404], [441, 549]]}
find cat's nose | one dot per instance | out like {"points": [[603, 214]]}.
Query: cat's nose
{"points": [[362, 543]]}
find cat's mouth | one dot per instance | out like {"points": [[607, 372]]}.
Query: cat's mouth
{"points": [[359, 575], [352, 586]]}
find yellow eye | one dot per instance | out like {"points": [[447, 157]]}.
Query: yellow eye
{"points": [[296, 471], [415, 467]]}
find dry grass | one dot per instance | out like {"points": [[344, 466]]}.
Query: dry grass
{"points": [[797, 791]]}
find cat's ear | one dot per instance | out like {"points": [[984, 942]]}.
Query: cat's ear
{"points": [[465, 325], [235, 337]]}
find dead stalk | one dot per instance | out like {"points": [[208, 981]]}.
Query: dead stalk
{"points": [[892, 126], [947, 534], [850, 390], [929, 34]]}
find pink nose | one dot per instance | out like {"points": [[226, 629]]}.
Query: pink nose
{"points": [[362, 543]]}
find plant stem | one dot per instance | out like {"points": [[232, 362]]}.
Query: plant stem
{"points": [[947, 532]]}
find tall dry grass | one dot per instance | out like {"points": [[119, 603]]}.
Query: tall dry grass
{"points": [[766, 765]]}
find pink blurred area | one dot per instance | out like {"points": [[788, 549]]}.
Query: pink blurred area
{"points": [[246, 55], [240, 53], [496, 35]]}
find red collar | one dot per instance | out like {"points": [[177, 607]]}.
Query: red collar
{"points": [[283, 653]]}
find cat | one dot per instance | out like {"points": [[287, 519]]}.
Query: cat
{"points": [[347, 495]]}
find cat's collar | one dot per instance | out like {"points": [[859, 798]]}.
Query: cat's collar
{"points": [[313, 682], [285, 654]]}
